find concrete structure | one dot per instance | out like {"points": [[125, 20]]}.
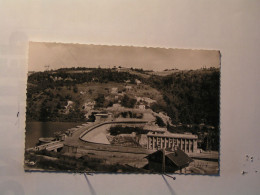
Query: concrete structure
{"points": [[155, 129], [52, 146], [186, 142], [62, 137], [103, 116], [70, 148], [45, 140]]}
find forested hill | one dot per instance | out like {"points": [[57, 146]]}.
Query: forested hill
{"points": [[190, 97]]}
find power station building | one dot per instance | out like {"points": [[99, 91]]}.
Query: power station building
{"points": [[185, 142]]}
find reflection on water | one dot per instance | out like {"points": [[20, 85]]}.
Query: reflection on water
{"points": [[35, 130]]}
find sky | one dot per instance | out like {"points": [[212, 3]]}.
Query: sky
{"points": [[66, 55]]}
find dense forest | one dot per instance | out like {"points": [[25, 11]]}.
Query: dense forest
{"points": [[191, 97]]}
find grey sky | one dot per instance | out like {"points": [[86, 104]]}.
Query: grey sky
{"points": [[64, 55]]}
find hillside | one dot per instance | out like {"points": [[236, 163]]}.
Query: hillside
{"points": [[188, 97], [191, 96], [68, 95]]}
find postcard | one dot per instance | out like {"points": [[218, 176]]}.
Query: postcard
{"points": [[122, 109]]}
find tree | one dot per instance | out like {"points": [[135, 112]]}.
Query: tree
{"points": [[45, 112], [128, 102], [160, 122], [75, 89], [100, 100]]}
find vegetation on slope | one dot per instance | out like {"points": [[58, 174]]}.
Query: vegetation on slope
{"points": [[190, 97]]}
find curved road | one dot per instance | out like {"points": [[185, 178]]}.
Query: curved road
{"points": [[98, 133]]}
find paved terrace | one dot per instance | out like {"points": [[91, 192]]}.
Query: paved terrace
{"points": [[97, 133], [77, 140]]}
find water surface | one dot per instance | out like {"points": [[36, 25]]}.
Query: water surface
{"points": [[35, 130]]}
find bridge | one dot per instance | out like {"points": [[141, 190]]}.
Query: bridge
{"points": [[51, 146]]}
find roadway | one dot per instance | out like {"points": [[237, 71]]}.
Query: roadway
{"points": [[83, 139]]}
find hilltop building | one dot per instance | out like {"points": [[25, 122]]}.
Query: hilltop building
{"points": [[122, 69]]}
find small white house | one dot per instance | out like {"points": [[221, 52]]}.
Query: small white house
{"points": [[114, 90], [138, 82], [89, 105], [116, 105], [69, 104], [128, 87], [141, 106]]}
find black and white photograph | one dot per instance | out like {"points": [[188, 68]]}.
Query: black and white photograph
{"points": [[122, 109], [129, 97]]}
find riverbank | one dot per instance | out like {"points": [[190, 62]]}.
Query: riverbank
{"points": [[36, 129]]}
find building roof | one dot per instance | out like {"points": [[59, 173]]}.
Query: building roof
{"points": [[178, 157]]}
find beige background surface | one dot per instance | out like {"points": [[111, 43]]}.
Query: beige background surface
{"points": [[231, 26]]}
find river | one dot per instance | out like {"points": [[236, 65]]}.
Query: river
{"points": [[35, 130]]}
